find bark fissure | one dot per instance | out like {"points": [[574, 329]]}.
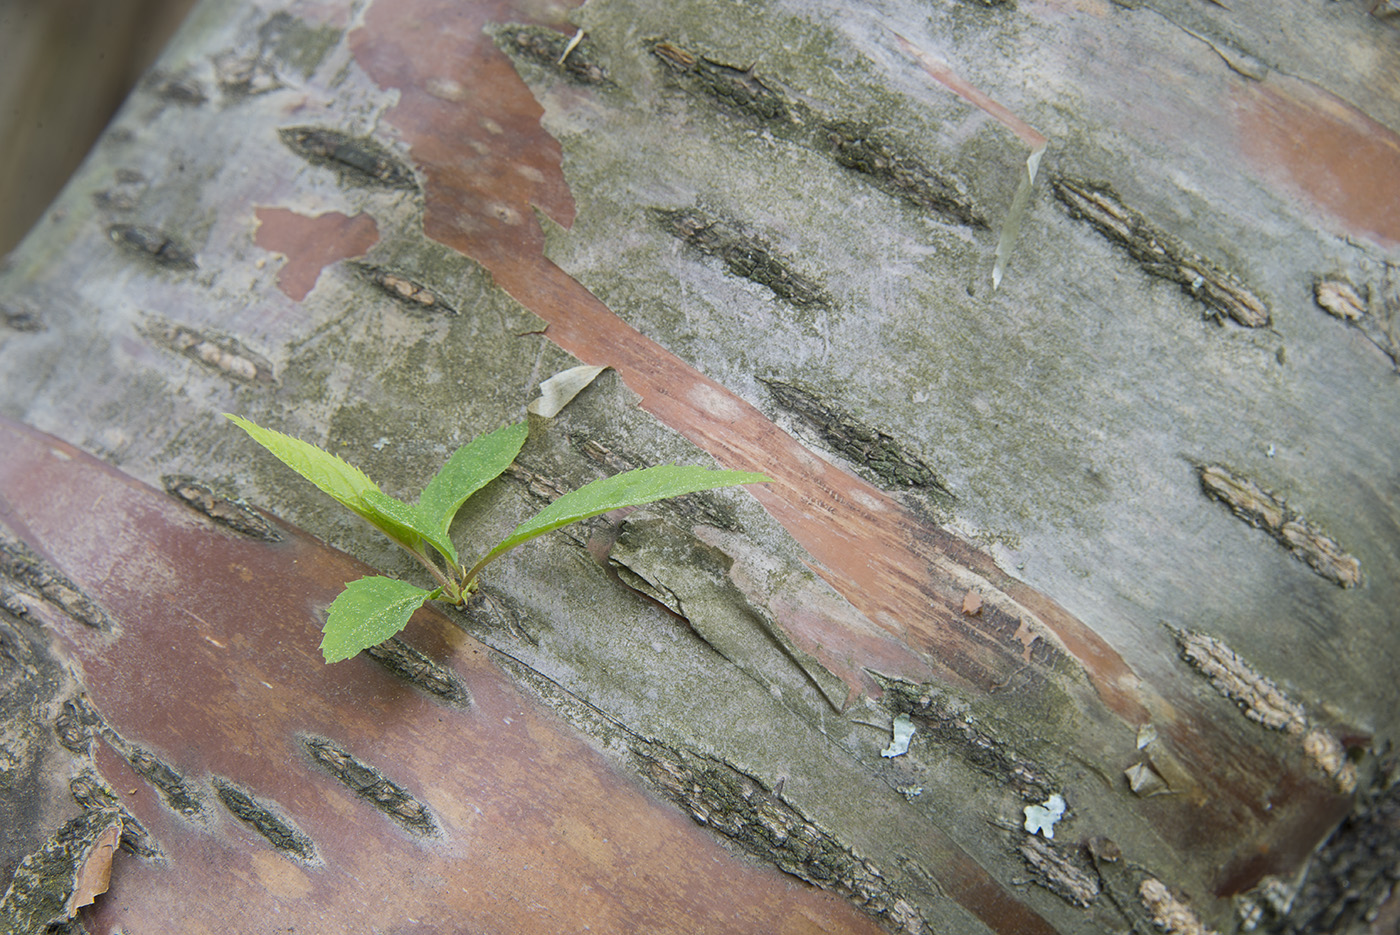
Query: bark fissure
{"points": [[235, 513], [370, 784], [278, 832], [1265, 510], [1161, 254], [873, 154], [33, 575], [357, 160], [737, 806]]}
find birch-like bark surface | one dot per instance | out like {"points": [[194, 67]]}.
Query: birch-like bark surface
{"points": [[1066, 330]]}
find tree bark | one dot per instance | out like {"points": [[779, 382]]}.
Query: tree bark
{"points": [[1067, 333]]}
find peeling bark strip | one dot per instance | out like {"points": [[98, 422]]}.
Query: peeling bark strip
{"points": [[724, 799], [38, 578], [420, 670], [235, 514], [1145, 781], [552, 50], [225, 355], [279, 833], [156, 246], [886, 163], [1058, 873], [743, 253], [358, 160], [369, 784], [71, 868], [1263, 701], [877, 451], [411, 293], [1159, 253], [1263, 510]]}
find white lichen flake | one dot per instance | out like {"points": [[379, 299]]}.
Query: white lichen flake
{"points": [[1042, 818], [902, 730]]}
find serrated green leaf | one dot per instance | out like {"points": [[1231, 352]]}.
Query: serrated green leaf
{"points": [[343, 481], [470, 468], [404, 523], [366, 613], [631, 488]]}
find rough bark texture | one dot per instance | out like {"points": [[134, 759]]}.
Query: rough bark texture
{"points": [[1118, 539]]}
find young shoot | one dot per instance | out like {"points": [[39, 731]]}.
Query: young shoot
{"points": [[374, 608]]}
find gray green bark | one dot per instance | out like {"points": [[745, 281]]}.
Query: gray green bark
{"points": [[1152, 422]]}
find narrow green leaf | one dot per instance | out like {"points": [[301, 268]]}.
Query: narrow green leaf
{"points": [[631, 488], [366, 613], [470, 468], [402, 522], [343, 481]]}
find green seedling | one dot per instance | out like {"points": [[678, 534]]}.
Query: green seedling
{"points": [[374, 608]]}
